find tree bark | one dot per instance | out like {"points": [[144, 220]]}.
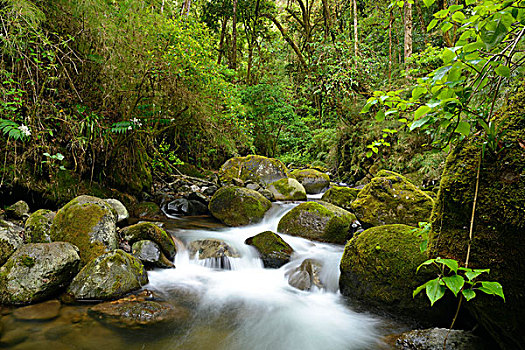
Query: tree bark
{"points": [[356, 37], [234, 37], [221, 42], [408, 30]]}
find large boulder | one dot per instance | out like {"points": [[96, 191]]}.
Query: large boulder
{"points": [[238, 206], [499, 225], [255, 168], [19, 210], [11, 237], [390, 198], [37, 271], [38, 226], [149, 231], [319, 221], [120, 209], [306, 275], [341, 196], [183, 206], [273, 250], [433, 339], [213, 252], [378, 267], [313, 180], [89, 223], [288, 189], [110, 276], [150, 254]]}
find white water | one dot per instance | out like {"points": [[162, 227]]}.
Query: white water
{"points": [[252, 308]]}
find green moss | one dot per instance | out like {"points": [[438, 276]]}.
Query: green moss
{"points": [[341, 196], [131, 173], [254, 168], [151, 232], [274, 251], [27, 261], [313, 180], [148, 210], [38, 225], [288, 189], [237, 206]]}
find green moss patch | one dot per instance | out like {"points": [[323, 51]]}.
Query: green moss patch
{"points": [[237, 206]]}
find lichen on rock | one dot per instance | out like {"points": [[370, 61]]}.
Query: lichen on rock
{"points": [[150, 231], [288, 189], [313, 180], [38, 226], [341, 196], [254, 168]]}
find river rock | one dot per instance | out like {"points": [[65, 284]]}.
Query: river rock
{"points": [[150, 254], [110, 276], [137, 312], [215, 251], [306, 275], [313, 180], [18, 211], [238, 206], [379, 266], [258, 169], [183, 206], [38, 226], [341, 196], [432, 339], [148, 211], [120, 209], [45, 311], [287, 190], [151, 232], [11, 237], [37, 271], [266, 194], [273, 250], [89, 223], [319, 221]]}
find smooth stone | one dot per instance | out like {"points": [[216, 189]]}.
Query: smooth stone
{"points": [[39, 312], [120, 209]]}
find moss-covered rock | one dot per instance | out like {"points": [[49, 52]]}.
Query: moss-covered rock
{"points": [[313, 180], [238, 206], [151, 232], [11, 237], [38, 226], [37, 271], [378, 267], [18, 211], [150, 254], [391, 199], [319, 221], [120, 209], [287, 190], [499, 226], [89, 223], [110, 276], [274, 251], [254, 168], [147, 211], [341, 196]]}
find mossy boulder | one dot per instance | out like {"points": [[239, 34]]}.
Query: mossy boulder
{"points": [[150, 254], [390, 198], [120, 209], [253, 168], [147, 211], [319, 221], [149, 231], [499, 226], [341, 196], [89, 223], [110, 276], [273, 250], [287, 190], [38, 271], [38, 226], [238, 206], [11, 237], [18, 211], [378, 268], [313, 180]]}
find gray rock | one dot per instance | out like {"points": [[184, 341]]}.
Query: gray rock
{"points": [[11, 237], [199, 197], [432, 339], [267, 194], [214, 251], [122, 212], [38, 226], [183, 206], [150, 231], [253, 186], [110, 276], [37, 271], [313, 180], [19, 210], [306, 275], [150, 254], [210, 191]]}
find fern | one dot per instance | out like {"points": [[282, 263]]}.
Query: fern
{"points": [[11, 129]]}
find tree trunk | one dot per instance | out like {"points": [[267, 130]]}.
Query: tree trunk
{"points": [[234, 37], [356, 37], [186, 5], [390, 47], [408, 35], [221, 42]]}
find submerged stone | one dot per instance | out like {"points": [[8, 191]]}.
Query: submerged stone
{"points": [[39, 312]]}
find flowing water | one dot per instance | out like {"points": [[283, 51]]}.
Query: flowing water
{"points": [[248, 307]]}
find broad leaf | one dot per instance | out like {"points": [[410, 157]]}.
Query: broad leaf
{"points": [[469, 294], [435, 290], [441, 72], [454, 283], [421, 111], [450, 263], [420, 122], [463, 128], [504, 71], [493, 288], [493, 33]]}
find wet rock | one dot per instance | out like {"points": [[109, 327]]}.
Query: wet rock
{"points": [[150, 254], [38, 226], [183, 206], [267, 194], [313, 180], [432, 339], [42, 344], [210, 191], [11, 237], [199, 197], [137, 312], [319, 221], [150, 231], [39, 312], [253, 168], [13, 337], [253, 186], [148, 211], [89, 223], [120, 209], [238, 206], [306, 275], [37, 271], [287, 190], [273, 250], [341, 196], [390, 198], [215, 251], [110, 276], [18, 211]]}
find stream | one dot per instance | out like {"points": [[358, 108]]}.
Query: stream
{"points": [[245, 308]]}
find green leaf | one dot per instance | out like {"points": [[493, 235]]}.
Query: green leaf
{"points": [[454, 283], [432, 24], [450, 263], [494, 33], [441, 72], [458, 16], [420, 122], [435, 290], [469, 294], [463, 128], [493, 288], [472, 274], [428, 3], [428, 262], [418, 290], [418, 91], [446, 26], [380, 116], [421, 111], [503, 71]]}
